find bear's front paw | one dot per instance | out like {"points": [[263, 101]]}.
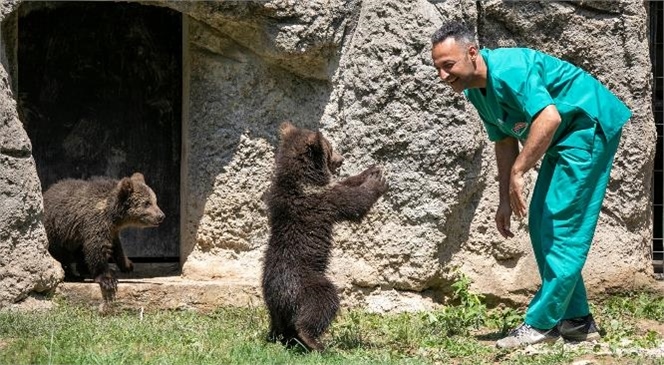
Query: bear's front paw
{"points": [[376, 181], [126, 266], [371, 169], [360, 178], [108, 284]]}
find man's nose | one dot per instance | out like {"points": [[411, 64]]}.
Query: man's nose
{"points": [[442, 74]]}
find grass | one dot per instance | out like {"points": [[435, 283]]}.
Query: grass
{"points": [[456, 334]]}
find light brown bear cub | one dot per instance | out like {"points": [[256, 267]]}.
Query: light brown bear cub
{"points": [[83, 220], [304, 205]]}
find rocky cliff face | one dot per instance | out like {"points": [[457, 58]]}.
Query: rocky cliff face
{"points": [[360, 71], [25, 265]]}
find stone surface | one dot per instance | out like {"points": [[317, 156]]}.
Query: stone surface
{"points": [[25, 265], [168, 292], [382, 103], [361, 73]]}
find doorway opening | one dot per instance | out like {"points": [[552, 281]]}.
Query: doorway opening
{"points": [[656, 51], [100, 94]]}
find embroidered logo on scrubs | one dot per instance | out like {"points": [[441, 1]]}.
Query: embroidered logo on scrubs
{"points": [[519, 127]]}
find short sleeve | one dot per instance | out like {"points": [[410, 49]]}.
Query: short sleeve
{"points": [[492, 130], [523, 89]]}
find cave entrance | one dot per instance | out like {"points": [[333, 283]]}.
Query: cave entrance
{"points": [[100, 94]]}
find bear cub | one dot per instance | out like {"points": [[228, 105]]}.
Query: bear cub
{"points": [[303, 206], [83, 220]]}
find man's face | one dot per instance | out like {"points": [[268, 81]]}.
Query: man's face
{"points": [[455, 64]]}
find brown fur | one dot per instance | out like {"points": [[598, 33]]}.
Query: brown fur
{"points": [[303, 208], [83, 220]]}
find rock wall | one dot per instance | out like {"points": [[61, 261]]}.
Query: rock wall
{"points": [[610, 41], [25, 265], [369, 85], [360, 71]]}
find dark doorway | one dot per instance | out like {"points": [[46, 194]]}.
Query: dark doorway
{"points": [[656, 54], [100, 94]]}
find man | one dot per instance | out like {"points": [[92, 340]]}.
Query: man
{"points": [[570, 121]]}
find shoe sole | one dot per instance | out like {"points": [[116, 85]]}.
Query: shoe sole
{"points": [[594, 336], [522, 345]]}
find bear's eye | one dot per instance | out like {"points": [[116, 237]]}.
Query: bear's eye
{"points": [[146, 203]]}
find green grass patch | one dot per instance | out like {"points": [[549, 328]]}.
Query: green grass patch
{"points": [[460, 333]]}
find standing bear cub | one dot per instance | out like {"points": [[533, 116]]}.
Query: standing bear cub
{"points": [[83, 220], [303, 208]]}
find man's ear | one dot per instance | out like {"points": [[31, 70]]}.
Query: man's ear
{"points": [[473, 52]]}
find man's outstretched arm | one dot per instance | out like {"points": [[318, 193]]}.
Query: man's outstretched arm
{"points": [[541, 133]]}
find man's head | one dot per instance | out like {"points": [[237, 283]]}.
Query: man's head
{"points": [[455, 56]]}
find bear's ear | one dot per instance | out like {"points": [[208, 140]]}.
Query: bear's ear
{"points": [[125, 188], [314, 139], [137, 176], [315, 144], [285, 129]]}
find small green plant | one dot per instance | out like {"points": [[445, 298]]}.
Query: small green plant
{"points": [[468, 313], [504, 319]]}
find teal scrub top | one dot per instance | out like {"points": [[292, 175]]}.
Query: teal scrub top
{"points": [[521, 82]]}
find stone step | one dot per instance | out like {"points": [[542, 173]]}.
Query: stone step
{"points": [[172, 292]]}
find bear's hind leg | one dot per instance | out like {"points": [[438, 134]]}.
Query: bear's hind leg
{"points": [[81, 267], [319, 304], [71, 275], [276, 332], [281, 326], [68, 262], [121, 260]]}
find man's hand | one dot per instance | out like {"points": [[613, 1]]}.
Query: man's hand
{"points": [[539, 138], [503, 215], [517, 202], [507, 151]]}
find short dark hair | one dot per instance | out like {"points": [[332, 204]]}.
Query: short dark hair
{"points": [[460, 31]]}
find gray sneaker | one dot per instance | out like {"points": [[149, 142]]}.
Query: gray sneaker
{"points": [[579, 329], [527, 335]]}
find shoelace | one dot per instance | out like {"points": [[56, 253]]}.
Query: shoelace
{"points": [[521, 331]]}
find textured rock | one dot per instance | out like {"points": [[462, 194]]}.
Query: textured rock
{"points": [[361, 72], [25, 265], [382, 103], [620, 256]]}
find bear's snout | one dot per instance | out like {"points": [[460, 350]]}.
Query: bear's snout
{"points": [[153, 217], [159, 217]]}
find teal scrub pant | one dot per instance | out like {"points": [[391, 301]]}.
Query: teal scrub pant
{"points": [[563, 214]]}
